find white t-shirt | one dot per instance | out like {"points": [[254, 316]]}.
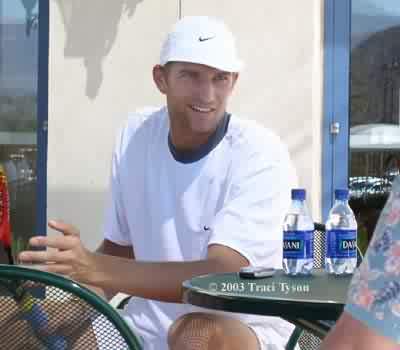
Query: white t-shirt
{"points": [[236, 195]]}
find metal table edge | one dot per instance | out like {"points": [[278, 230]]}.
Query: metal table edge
{"points": [[207, 299]]}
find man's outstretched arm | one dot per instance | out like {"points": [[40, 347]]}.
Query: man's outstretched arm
{"points": [[153, 280], [161, 280]]}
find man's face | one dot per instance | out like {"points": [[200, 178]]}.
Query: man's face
{"points": [[196, 96]]}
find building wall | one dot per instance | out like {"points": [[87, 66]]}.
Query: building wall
{"points": [[101, 55]]}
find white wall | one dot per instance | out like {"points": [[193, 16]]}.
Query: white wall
{"points": [[101, 55]]}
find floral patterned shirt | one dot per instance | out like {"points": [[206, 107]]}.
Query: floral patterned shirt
{"points": [[374, 293]]}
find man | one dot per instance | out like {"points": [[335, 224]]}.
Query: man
{"points": [[194, 190], [371, 319]]}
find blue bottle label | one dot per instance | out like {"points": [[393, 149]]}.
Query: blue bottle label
{"points": [[298, 244], [341, 243]]}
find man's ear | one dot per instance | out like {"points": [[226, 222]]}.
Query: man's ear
{"points": [[160, 78], [235, 77]]}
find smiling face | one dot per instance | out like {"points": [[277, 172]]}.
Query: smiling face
{"points": [[196, 98]]}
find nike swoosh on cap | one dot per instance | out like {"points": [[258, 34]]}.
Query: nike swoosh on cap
{"points": [[205, 39]]}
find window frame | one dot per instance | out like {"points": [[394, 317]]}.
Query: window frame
{"points": [[335, 157], [42, 116]]}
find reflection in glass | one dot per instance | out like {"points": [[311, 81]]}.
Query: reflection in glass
{"points": [[18, 119], [375, 108]]}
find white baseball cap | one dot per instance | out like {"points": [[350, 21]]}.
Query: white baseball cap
{"points": [[201, 40]]}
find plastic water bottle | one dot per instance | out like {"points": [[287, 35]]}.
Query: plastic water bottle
{"points": [[341, 236], [298, 237]]}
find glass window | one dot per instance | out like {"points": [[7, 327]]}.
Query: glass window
{"points": [[375, 108], [18, 120]]}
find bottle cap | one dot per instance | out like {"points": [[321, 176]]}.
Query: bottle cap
{"points": [[299, 194], [342, 194]]}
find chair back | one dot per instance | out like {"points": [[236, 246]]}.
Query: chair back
{"points": [[40, 310], [320, 247]]}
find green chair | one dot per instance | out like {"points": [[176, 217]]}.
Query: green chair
{"points": [[305, 339], [40, 310]]}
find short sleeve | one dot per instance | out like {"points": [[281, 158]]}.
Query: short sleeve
{"points": [[251, 218], [374, 293], [115, 224]]}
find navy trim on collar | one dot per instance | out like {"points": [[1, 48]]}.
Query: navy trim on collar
{"points": [[203, 150]]}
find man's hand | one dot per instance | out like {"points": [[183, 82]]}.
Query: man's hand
{"points": [[67, 257]]}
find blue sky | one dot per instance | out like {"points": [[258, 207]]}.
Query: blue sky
{"points": [[372, 16], [377, 7]]}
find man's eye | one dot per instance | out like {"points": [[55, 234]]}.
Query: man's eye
{"points": [[188, 75], [222, 77]]}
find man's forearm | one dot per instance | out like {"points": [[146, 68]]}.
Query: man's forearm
{"points": [[109, 248], [159, 281]]}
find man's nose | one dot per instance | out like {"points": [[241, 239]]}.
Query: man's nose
{"points": [[206, 91]]}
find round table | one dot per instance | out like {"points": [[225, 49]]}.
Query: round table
{"points": [[303, 300]]}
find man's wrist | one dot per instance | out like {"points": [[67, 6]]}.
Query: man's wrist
{"points": [[97, 273], [103, 274]]}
